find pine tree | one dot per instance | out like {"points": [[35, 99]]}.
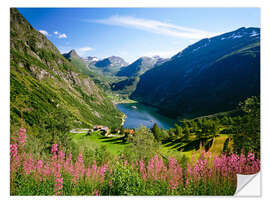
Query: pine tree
{"points": [[179, 131], [156, 132]]}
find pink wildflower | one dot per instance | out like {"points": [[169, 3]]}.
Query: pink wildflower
{"points": [[142, 170], [61, 156], [125, 163], [46, 170], [58, 185], [96, 192], [54, 148], [22, 136], [29, 165], [79, 169], [102, 172], [14, 150], [39, 165]]}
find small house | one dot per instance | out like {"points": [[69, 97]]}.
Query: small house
{"points": [[103, 129]]}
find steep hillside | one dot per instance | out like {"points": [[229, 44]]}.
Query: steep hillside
{"points": [[47, 88], [86, 66], [125, 86], [78, 62], [209, 76]]}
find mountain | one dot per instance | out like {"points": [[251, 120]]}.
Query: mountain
{"points": [[132, 72], [79, 63], [159, 60], [71, 54], [209, 76], [138, 67], [47, 88], [91, 59], [110, 65], [87, 67]]}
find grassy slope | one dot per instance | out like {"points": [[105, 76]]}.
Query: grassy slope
{"points": [[216, 148], [113, 144]]}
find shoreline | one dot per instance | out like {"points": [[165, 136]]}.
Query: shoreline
{"points": [[125, 102]]}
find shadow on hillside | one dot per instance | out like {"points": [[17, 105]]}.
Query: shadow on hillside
{"points": [[182, 144], [112, 140]]}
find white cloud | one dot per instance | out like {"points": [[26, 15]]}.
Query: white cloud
{"points": [[59, 35], [83, 50], [62, 36], [44, 32], [154, 26]]}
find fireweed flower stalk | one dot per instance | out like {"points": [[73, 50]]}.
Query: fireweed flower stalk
{"points": [[16, 148], [68, 165], [142, 170], [92, 171], [79, 169], [54, 150], [14, 157], [156, 170], [102, 171], [22, 137], [175, 174], [29, 165], [58, 185]]}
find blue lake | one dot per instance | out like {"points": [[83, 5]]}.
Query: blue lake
{"points": [[139, 114]]}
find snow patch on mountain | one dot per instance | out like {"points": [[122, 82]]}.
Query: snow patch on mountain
{"points": [[237, 36], [254, 33]]}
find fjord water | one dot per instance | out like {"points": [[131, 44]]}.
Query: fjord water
{"points": [[139, 114]]}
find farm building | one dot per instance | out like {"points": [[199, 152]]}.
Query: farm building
{"points": [[103, 129]]}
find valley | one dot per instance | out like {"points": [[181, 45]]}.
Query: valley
{"points": [[155, 123]]}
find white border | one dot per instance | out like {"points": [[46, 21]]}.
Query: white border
{"points": [[137, 3], [265, 84]]}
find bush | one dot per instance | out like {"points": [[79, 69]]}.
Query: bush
{"points": [[126, 181], [143, 145]]}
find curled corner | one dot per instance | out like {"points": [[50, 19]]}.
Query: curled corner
{"points": [[248, 185]]}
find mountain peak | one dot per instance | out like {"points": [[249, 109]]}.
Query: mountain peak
{"points": [[111, 61], [72, 51], [71, 54], [156, 57], [90, 59], [241, 29], [138, 67]]}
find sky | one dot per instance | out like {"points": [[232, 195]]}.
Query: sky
{"points": [[134, 32]]}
